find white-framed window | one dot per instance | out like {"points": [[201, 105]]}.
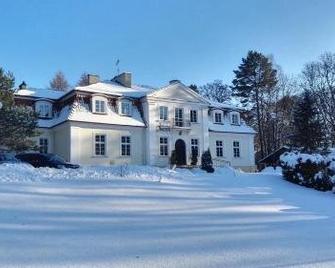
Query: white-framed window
{"points": [[163, 113], [125, 145], [195, 146], [179, 117], [235, 118], [44, 109], [163, 146], [236, 149], [44, 145], [125, 108], [219, 148], [194, 116], [100, 106], [218, 117], [100, 145]]}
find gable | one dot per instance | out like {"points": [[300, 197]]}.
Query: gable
{"points": [[178, 92]]}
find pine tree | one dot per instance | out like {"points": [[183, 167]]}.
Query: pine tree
{"points": [[307, 125], [83, 80], [7, 81], [254, 80], [17, 124], [59, 82], [194, 87]]}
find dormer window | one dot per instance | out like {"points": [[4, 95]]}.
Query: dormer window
{"points": [[218, 118], [125, 108], [235, 118], [44, 109], [99, 105]]}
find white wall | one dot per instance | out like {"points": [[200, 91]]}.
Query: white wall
{"points": [[82, 144], [247, 156], [197, 130]]}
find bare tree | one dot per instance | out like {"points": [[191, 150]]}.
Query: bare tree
{"points": [[319, 78], [59, 82], [83, 80], [216, 91]]}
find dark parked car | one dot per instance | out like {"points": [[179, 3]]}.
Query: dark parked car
{"points": [[45, 160], [8, 158]]}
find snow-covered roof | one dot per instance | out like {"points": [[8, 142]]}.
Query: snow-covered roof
{"points": [[81, 113], [114, 88], [40, 93], [229, 128]]}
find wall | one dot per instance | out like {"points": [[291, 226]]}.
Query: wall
{"points": [[197, 130], [61, 135], [246, 161], [82, 144]]}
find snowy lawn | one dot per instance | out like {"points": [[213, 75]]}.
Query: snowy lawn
{"points": [[160, 218]]}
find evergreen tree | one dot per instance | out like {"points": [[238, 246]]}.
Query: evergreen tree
{"points": [[255, 80], [206, 161], [83, 80], [59, 82], [307, 124], [194, 87], [17, 124], [7, 81], [194, 157]]}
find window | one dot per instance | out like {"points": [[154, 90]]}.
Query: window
{"points": [[163, 146], [100, 145], [125, 145], [236, 149], [163, 113], [125, 108], [179, 117], [219, 148], [100, 106], [235, 119], [195, 146], [44, 109], [43, 145], [218, 118], [194, 116]]}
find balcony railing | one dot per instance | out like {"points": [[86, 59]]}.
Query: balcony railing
{"points": [[174, 124]]}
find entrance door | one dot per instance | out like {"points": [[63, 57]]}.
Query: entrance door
{"points": [[180, 148]]}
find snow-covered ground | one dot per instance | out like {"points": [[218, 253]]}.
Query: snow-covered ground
{"points": [[159, 218]]}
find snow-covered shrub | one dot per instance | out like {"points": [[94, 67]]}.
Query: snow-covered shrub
{"points": [[331, 164], [207, 162], [309, 170]]}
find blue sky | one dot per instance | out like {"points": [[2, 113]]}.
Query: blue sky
{"points": [[194, 41]]}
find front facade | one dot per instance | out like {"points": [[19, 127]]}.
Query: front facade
{"points": [[116, 122]]}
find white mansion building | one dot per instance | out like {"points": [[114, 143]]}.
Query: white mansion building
{"points": [[116, 122]]}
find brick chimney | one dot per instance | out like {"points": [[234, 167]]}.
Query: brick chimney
{"points": [[123, 79], [93, 79]]}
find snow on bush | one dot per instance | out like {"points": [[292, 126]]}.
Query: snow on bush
{"points": [[24, 172], [331, 163], [310, 170]]}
